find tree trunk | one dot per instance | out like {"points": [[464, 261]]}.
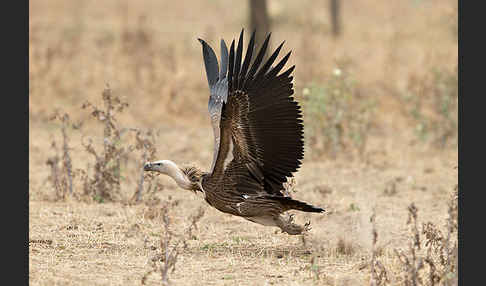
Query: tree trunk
{"points": [[335, 18], [259, 20]]}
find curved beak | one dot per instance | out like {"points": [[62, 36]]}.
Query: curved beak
{"points": [[147, 166]]}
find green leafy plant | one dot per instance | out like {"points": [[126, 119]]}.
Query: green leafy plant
{"points": [[337, 115], [431, 102]]}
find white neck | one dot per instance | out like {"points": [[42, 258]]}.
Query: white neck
{"points": [[179, 177]]}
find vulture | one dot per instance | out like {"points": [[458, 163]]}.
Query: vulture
{"points": [[258, 137]]}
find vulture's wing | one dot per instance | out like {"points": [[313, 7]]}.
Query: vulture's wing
{"points": [[259, 121], [218, 88]]}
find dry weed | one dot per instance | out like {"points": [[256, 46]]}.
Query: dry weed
{"points": [[56, 176], [437, 252], [379, 274], [62, 179], [171, 245], [105, 182], [145, 143], [412, 263]]}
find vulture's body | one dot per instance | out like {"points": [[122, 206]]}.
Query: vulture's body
{"points": [[258, 137]]}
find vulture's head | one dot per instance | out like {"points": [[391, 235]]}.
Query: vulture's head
{"points": [[162, 166], [169, 168]]}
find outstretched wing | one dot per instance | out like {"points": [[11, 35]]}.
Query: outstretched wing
{"points": [[259, 121], [218, 88]]}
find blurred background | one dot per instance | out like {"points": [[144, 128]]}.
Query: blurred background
{"points": [[377, 80]]}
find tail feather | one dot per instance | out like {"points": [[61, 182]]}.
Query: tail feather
{"points": [[292, 204]]}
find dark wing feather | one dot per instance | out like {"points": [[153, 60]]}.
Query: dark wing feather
{"points": [[210, 62], [257, 61], [261, 122], [249, 53], [273, 119], [224, 60], [239, 51], [218, 88]]}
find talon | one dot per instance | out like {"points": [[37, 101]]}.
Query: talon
{"points": [[307, 226], [291, 218]]}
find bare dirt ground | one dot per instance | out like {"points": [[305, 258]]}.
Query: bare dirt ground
{"points": [[112, 244], [148, 53]]}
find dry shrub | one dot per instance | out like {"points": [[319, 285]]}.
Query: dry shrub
{"points": [[379, 274], [411, 262], [171, 245], [337, 115], [103, 181], [145, 143], [62, 179], [433, 260], [431, 257], [56, 176], [151, 200]]}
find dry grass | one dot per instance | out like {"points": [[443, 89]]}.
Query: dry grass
{"points": [[148, 54], [225, 249]]}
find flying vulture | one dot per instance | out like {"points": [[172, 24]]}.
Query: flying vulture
{"points": [[258, 137]]}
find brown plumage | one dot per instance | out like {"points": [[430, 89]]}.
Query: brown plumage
{"points": [[258, 137]]}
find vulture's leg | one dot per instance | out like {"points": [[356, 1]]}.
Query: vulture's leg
{"points": [[263, 220], [287, 225]]}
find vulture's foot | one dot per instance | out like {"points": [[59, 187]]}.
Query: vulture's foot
{"points": [[287, 225], [307, 226]]}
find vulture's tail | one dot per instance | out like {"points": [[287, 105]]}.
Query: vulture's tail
{"points": [[291, 204]]}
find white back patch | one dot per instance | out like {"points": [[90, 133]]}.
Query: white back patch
{"points": [[229, 157]]}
